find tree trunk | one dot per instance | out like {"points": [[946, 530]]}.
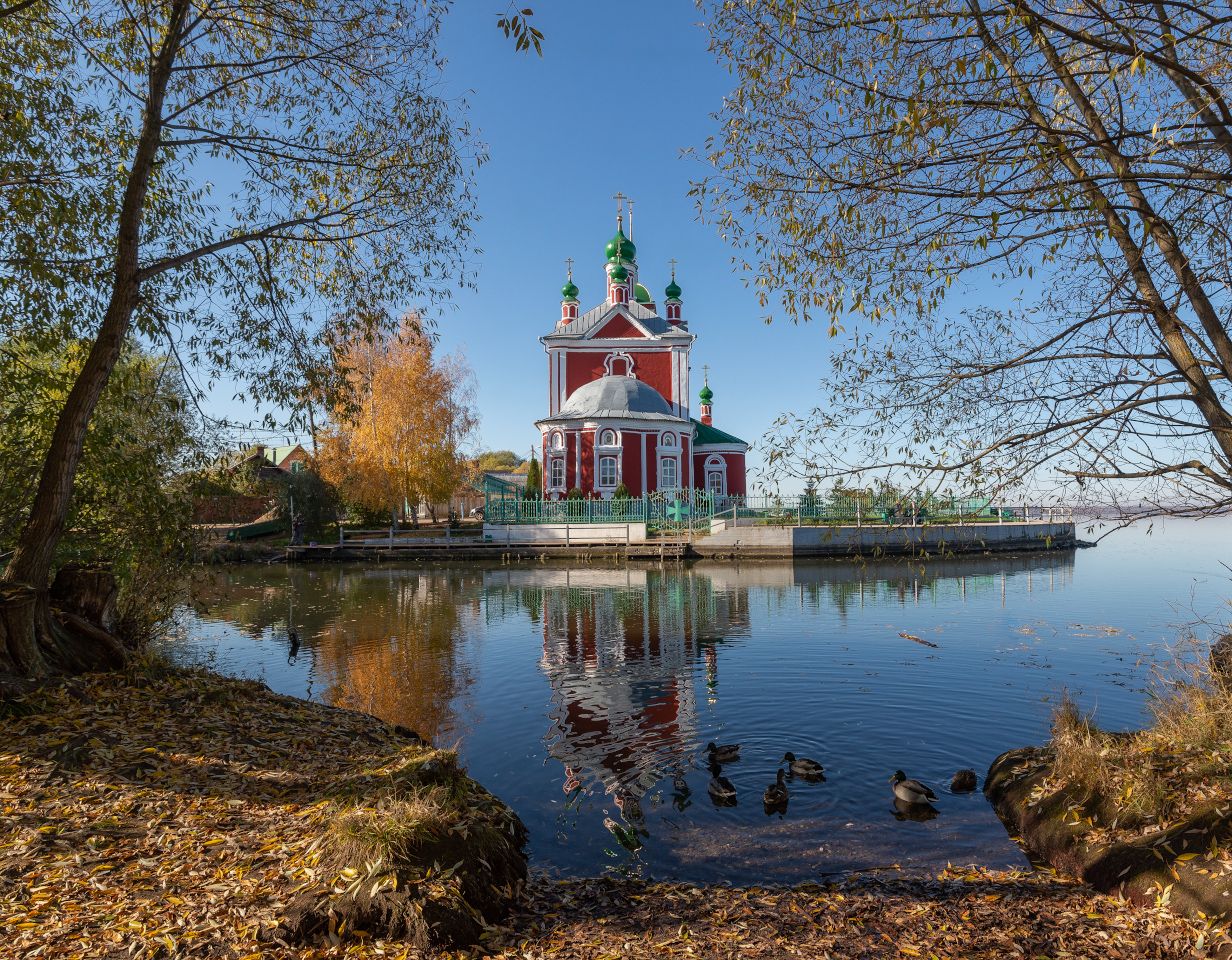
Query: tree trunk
{"points": [[88, 594], [28, 627]]}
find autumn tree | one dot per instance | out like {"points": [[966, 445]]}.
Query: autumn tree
{"points": [[402, 435], [224, 180], [1014, 213]]}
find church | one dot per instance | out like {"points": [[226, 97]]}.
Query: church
{"points": [[618, 395]]}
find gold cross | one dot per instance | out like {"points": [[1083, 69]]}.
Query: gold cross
{"points": [[569, 265], [620, 199], [706, 371], [673, 263]]}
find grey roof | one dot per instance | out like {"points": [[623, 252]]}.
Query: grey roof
{"points": [[591, 320], [617, 398]]}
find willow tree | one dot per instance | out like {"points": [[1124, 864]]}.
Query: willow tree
{"points": [[244, 173], [1015, 215]]}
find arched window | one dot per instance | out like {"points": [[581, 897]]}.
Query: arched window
{"points": [[607, 472], [558, 473], [607, 438], [668, 440], [667, 474]]}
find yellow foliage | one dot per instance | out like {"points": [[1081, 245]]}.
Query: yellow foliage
{"points": [[401, 437]]}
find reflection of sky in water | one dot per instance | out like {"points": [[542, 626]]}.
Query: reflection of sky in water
{"points": [[584, 693]]}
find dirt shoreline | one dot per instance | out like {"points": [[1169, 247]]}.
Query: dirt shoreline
{"points": [[167, 813]]}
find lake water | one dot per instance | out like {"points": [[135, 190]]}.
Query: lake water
{"points": [[587, 692]]}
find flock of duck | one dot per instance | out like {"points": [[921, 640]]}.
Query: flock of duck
{"points": [[913, 800]]}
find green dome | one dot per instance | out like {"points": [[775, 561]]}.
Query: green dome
{"points": [[619, 273], [673, 291], [569, 291], [627, 251], [706, 395], [641, 293]]}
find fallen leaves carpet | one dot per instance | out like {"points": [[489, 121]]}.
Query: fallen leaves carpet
{"points": [[958, 914], [180, 814]]}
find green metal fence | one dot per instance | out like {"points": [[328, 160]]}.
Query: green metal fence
{"points": [[506, 502]]}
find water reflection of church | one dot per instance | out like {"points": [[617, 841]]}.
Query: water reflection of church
{"points": [[622, 649]]}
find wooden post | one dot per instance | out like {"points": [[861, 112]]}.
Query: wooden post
{"points": [[340, 535], [566, 533], [391, 537]]}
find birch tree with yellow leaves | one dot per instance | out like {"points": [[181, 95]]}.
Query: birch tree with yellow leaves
{"points": [[403, 433]]}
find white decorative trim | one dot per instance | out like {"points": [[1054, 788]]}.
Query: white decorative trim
{"points": [[619, 355], [673, 443], [552, 461], [674, 456], [714, 464]]}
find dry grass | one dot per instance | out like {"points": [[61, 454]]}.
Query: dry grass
{"points": [[1180, 761]]}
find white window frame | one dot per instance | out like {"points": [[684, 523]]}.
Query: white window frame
{"points": [[553, 482], [614, 450], [615, 479], [675, 462], [716, 465]]}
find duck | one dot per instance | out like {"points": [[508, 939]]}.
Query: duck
{"points": [[964, 782], [720, 788], [776, 794], [728, 753], [910, 790], [802, 766]]}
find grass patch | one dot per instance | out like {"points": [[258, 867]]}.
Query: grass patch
{"points": [[1180, 762]]}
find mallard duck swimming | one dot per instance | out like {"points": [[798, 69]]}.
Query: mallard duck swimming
{"points": [[721, 788], [803, 767], [729, 753], [776, 794], [910, 790], [964, 782]]}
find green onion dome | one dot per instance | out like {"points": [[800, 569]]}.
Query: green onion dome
{"points": [[706, 395], [673, 291], [569, 291], [621, 247], [641, 293], [619, 274]]}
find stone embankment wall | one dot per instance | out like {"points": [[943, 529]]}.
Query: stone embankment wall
{"points": [[840, 541]]}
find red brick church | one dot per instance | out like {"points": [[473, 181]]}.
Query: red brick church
{"points": [[618, 395]]}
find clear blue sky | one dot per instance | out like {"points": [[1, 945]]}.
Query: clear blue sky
{"points": [[618, 96], [620, 93]]}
